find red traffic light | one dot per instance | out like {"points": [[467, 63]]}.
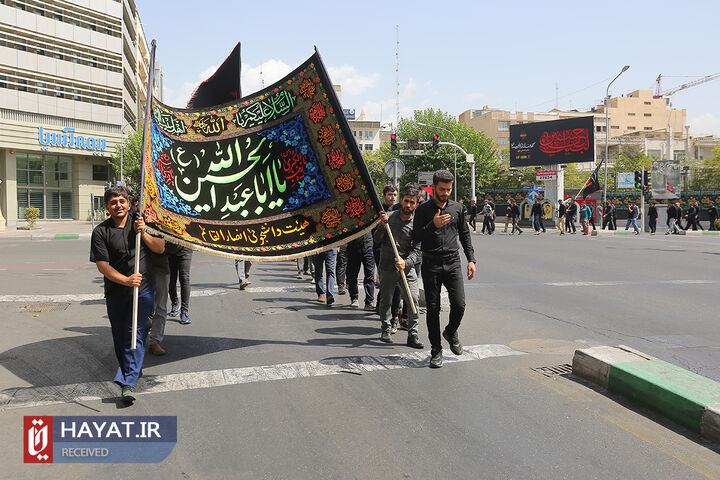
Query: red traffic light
{"points": [[393, 137], [436, 137]]}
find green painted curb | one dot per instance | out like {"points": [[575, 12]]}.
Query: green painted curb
{"points": [[624, 232], [66, 236], [714, 232], [674, 392]]}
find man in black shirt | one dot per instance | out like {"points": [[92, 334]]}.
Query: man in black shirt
{"points": [[712, 215], [515, 210], [561, 217], [437, 225], [113, 251]]}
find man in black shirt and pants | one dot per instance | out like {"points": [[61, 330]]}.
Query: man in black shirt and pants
{"points": [[437, 225]]}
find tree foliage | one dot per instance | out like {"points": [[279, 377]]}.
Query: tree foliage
{"points": [[632, 158], [132, 156], [487, 169]]}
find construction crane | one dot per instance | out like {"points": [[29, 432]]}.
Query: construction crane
{"points": [[660, 94]]}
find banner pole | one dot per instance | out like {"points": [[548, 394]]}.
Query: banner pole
{"points": [[146, 137]]}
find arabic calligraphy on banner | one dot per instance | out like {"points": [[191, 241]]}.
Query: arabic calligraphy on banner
{"points": [[275, 175], [575, 140], [569, 140]]}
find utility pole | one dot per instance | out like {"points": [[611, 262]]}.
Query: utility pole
{"points": [[397, 76]]}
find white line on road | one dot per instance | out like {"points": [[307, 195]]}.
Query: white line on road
{"points": [[13, 398], [57, 269], [208, 292], [623, 282]]}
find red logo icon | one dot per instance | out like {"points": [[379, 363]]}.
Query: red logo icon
{"points": [[37, 439]]}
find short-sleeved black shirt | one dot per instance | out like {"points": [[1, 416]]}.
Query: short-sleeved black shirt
{"points": [[116, 245]]}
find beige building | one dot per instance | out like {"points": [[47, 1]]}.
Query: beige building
{"points": [[73, 82], [640, 112]]}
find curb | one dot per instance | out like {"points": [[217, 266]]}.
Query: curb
{"points": [[60, 236], [610, 233], [688, 399]]}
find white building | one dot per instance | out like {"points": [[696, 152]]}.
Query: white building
{"points": [[73, 82]]}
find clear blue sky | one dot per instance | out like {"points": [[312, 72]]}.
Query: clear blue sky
{"points": [[454, 55]]}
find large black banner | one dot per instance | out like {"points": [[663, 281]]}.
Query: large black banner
{"points": [[559, 141]]}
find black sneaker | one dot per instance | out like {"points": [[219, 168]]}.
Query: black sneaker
{"points": [[414, 342], [369, 307], [330, 301], [127, 394], [402, 325], [436, 359], [341, 290], [385, 336], [455, 345]]}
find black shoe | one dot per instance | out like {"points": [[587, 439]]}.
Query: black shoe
{"points": [[436, 359], [385, 336], [127, 394], [341, 290], [403, 324], [394, 323], [330, 301], [455, 345], [414, 342]]}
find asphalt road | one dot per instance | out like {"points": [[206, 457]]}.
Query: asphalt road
{"points": [[311, 392]]}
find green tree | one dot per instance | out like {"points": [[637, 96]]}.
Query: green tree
{"points": [[132, 156], [487, 169], [632, 158]]}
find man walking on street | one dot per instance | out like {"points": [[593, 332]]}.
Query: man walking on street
{"points": [[633, 214], [112, 249], [389, 269], [473, 215], [561, 217], [437, 225], [515, 216], [487, 218], [712, 215], [672, 218], [570, 217], [652, 217]]}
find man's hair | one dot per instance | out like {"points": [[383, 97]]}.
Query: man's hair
{"points": [[116, 191], [389, 188], [443, 176], [412, 189]]}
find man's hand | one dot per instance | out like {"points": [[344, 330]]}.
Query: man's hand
{"points": [[134, 280], [383, 217], [471, 270], [139, 224], [441, 220], [400, 264]]}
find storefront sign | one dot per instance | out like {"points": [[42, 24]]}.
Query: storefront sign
{"points": [[68, 139], [546, 175]]}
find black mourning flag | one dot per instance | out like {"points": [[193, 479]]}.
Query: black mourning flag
{"points": [[592, 185], [222, 87]]}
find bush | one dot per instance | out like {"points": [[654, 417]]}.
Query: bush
{"points": [[717, 224], [31, 214]]}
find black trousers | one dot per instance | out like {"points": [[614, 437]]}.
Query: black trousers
{"points": [[652, 223], [569, 223], [341, 266], [487, 224], [435, 274], [359, 252], [471, 222], [180, 266]]}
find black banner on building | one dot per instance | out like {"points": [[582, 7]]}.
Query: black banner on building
{"points": [[559, 141]]}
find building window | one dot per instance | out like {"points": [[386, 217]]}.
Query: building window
{"points": [[631, 114], [647, 128], [502, 141], [503, 126], [23, 85], [647, 114], [614, 127], [45, 182], [631, 128], [100, 173], [647, 103], [368, 146]]}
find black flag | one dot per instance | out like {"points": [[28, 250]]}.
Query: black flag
{"points": [[592, 185], [222, 87]]}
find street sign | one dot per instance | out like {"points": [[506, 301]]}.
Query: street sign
{"points": [[546, 175], [394, 168], [470, 158], [425, 178], [412, 152], [412, 144], [527, 187], [625, 180]]}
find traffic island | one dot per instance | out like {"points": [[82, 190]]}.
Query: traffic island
{"points": [[687, 398]]}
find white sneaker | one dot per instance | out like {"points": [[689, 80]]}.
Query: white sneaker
{"points": [[354, 303]]}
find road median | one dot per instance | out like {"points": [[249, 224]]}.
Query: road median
{"points": [[685, 397]]}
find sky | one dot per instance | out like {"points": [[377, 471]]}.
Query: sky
{"points": [[453, 55]]}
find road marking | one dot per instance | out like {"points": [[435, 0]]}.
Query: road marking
{"points": [[57, 269], [23, 397], [623, 282], [208, 292]]}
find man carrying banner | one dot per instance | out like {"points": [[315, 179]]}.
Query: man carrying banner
{"points": [[112, 248], [401, 224], [437, 225]]}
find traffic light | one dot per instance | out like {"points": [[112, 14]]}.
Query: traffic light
{"points": [[638, 179], [393, 142], [646, 180], [436, 142]]}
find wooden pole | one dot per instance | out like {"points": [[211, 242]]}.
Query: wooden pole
{"points": [[402, 272]]}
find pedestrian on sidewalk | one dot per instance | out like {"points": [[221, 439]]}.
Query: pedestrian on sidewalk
{"points": [[536, 215], [242, 268], [438, 225], [473, 215], [180, 261], [570, 214], [112, 249], [325, 262], [712, 215], [561, 217], [608, 216], [508, 215], [633, 216], [585, 214], [390, 268], [515, 216], [492, 217], [487, 218], [652, 217], [673, 216], [698, 212]]}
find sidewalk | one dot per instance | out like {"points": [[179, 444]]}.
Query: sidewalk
{"points": [[50, 230]]}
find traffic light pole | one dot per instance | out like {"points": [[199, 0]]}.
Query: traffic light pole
{"points": [[642, 199]]}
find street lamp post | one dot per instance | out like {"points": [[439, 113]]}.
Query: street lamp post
{"points": [[122, 151], [607, 131], [454, 153]]}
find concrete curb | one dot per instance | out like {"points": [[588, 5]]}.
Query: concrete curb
{"points": [[59, 236], [610, 233], [686, 398]]}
